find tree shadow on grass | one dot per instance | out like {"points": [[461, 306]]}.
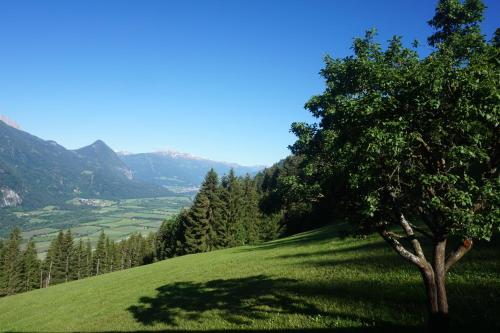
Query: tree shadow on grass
{"points": [[240, 302]]}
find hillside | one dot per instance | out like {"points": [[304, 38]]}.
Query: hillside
{"points": [[36, 172], [314, 280], [177, 171]]}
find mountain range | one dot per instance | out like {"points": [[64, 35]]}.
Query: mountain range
{"points": [[36, 172], [179, 172]]}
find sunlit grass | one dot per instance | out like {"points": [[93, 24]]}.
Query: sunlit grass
{"points": [[311, 280]]}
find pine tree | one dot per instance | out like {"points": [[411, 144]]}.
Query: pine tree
{"points": [[150, 250], [251, 217], [78, 270], [67, 250], [31, 267], [170, 239], [55, 263], [12, 277], [99, 256], [197, 227], [110, 262], [230, 230], [87, 260]]}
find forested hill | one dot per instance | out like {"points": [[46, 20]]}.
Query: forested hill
{"points": [[177, 171], [35, 172]]}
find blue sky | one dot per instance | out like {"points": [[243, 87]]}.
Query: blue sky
{"points": [[217, 79]]}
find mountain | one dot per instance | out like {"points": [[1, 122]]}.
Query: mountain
{"points": [[36, 172], [176, 171]]}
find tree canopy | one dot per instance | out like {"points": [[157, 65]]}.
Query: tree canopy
{"points": [[413, 141]]}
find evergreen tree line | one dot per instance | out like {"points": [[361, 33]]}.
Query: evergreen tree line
{"points": [[68, 260], [225, 213]]}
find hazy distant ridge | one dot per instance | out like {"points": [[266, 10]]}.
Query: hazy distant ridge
{"points": [[178, 171]]}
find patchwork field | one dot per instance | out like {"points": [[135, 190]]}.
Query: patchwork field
{"points": [[118, 219]]}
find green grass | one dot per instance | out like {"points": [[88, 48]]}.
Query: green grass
{"points": [[308, 282]]}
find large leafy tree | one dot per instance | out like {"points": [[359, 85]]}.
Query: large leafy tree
{"points": [[413, 143]]}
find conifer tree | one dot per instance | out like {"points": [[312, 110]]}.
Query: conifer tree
{"points": [[87, 260], [197, 227], [110, 262], [251, 217], [55, 264], [211, 189], [229, 228], [12, 277], [78, 253], [99, 256], [67, 250], [31, 267], [169, 239]]}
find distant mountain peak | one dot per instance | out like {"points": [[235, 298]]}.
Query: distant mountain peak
{"points": [[9, 122], [99, 143], [178, 154]]}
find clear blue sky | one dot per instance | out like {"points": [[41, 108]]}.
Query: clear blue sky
{"points": [[218, 79]]}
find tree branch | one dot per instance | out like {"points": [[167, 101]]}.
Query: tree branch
{"points": [[411, 236], [458, 253], [399, 248]]}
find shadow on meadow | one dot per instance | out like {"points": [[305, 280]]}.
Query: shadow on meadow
{"points": [[392, 297], [241, 301], [238, 301]]}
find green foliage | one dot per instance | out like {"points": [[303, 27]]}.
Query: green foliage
{"points": [[401, 134], [11, 275], [31, 267], [169, 237]]}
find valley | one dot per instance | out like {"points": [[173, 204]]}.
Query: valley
{"points": [[87, 218]]}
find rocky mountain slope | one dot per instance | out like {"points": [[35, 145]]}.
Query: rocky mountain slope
{"points": [[36, 172]]}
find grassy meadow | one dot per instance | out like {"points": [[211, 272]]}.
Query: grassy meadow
{"points": [[315, 281]]}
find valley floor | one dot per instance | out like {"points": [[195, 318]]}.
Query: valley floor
{"points": [[315, 281]]}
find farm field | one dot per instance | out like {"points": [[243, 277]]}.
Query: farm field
{"points": [[312, 282], [118, 219]]}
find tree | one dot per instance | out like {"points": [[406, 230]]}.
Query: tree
{"points": [[12, 264], [31, 267], [55, 263], [79, 260], [169, 237], [204, 226], [100, 255], [197, 228], [413, 142], [229, 228], [67, 249], [251, 219], [88, 259]]}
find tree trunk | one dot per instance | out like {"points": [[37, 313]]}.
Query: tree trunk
{"points": [[434, 277], [50, 274]]}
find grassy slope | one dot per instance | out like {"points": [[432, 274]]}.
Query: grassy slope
{"points": [[312, 280]]}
